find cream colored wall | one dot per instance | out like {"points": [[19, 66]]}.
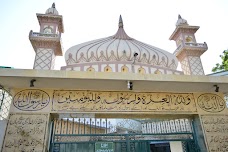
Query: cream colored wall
{"points": [[206, 104], [210, 106], [215, 128], [52, 101], [26, 132], [176, 146]]}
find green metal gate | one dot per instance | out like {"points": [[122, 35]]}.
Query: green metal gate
{"points": [[123, 145], [71, 136]]}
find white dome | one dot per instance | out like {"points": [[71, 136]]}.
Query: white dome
{"points": [[119, 49], [52, 10]]}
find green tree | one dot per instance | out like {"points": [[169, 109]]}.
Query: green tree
{"points": [[224, 65]]}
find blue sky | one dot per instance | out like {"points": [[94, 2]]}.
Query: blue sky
{"points": [[148, 21]]}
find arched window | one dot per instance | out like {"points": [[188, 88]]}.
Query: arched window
{"points": [[107, 69], [48, 30], [90, 69], [141, 70], [188, 39], [124, 69], [157, 72]]}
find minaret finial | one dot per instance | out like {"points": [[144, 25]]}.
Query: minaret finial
{"points": [[179, 17], [120, 22], [53, 5]]}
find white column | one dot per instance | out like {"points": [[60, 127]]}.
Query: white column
{"points": [[3, 124], [176, 146], [45, 59]]}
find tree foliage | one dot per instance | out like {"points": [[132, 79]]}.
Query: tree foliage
{"points": [[224, 65]]}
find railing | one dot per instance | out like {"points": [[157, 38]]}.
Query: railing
{"points": [[36, 34], [106, 126], [76, 138], [77, 134], [194, 45], [168, 126]]}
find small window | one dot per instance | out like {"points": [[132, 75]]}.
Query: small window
{"points": [[188, 39], [141, 70], [90, 69], [157, 72], [107, 69], [124, 69], [48, 30]]}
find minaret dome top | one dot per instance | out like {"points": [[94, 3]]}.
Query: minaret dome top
{"points": [[52, 10], [181, 21]]}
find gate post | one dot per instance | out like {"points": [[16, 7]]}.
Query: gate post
{"points": [[198, 130], [27, 132], [195, 137], [52, 138], [128, 143]]}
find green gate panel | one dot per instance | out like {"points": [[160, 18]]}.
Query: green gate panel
{"points": [[104, 147]]}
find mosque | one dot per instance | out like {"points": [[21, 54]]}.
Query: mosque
{"points": [[115, 94]]}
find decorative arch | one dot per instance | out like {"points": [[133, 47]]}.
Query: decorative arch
{"points": [[124, 69], [189, 39], [48, 30], [90, 69], [141, 70], [157, 72], [107, 69]]}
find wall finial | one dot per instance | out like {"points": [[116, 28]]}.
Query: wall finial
{"points": [[179, 17], [120, 22], [53, 5]]}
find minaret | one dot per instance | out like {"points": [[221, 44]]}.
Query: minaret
{"points": [[47, 43], [188, 50]]}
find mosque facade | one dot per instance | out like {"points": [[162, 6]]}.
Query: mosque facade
{"points": [[115, 94]]}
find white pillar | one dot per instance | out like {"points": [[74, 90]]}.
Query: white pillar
{"points": [[176, 146], [45, 59], [3, 124]]}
